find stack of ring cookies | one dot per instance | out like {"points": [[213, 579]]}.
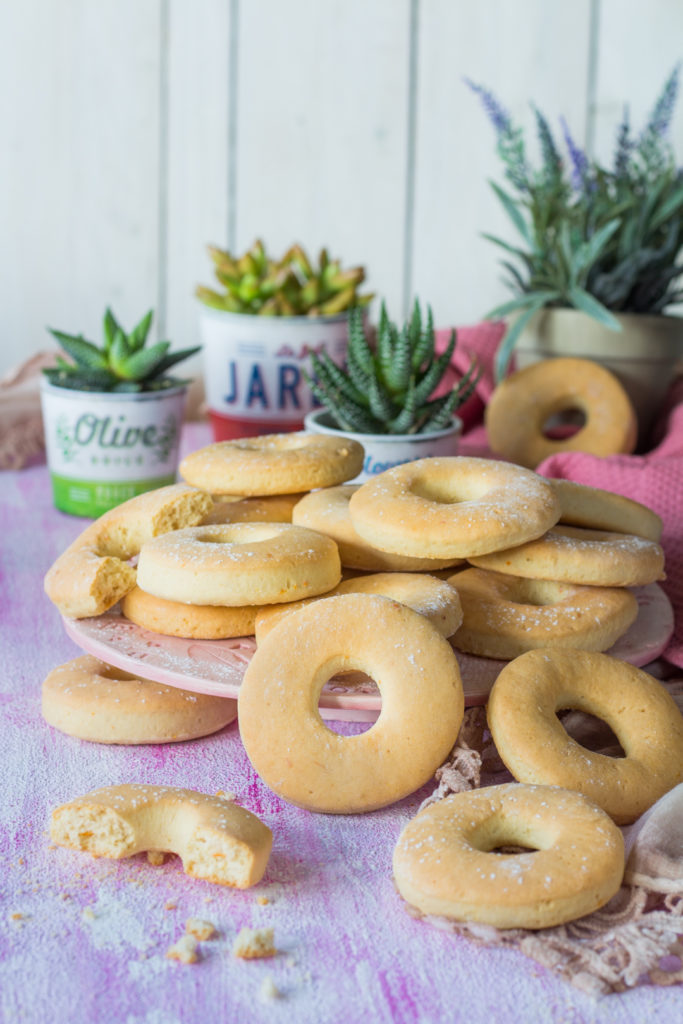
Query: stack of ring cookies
{"points": [[568, 588], [209, 582], [255, 540]]}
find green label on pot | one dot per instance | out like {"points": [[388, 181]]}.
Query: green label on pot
{"points": [[93, 498], [110, 437]]}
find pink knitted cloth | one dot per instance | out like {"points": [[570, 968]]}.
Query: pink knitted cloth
{"points": [[655, 479]]}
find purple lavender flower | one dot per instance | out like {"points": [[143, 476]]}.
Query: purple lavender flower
{"points": [[624, 148], [510, 141], [500, 119], [654, 146], [552, 161], [660, 118], [579, 173]]}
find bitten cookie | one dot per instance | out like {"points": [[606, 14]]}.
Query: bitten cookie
{"points": [[95, 571], [217, 840]]}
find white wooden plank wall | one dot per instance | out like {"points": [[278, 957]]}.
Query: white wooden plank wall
{"points": [[133, 133]]}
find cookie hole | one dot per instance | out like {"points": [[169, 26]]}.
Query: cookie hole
{"points": [[509, 849], [564, 424], [591, 732], [433, 490], [346, 684]]}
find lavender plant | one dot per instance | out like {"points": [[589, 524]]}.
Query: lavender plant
{"points": [[602, 240]]}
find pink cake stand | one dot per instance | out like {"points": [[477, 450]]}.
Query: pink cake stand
{"points": [[217, 667]]}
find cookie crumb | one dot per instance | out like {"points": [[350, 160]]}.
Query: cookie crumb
{"points": [[262, 900], [155, 857], [184, 950], [202, 930], [254, 943], [170, 905], [269, 990], [88, 914], [226, 795]]}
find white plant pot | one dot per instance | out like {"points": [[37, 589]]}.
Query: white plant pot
{"points": [[254, 368], [103, 448], [383, 451]]}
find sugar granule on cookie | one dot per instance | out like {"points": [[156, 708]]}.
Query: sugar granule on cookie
{"points": [[200, 929], [184, 950], [254, 943]]}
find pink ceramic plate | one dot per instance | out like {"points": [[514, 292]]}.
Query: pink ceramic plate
{"points": [[217, 666]]}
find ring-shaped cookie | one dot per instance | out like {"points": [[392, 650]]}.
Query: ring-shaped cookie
{"points": [[93, 701], [453, 507], [94, 572], [596, 509], [216, 839], [522, 404], [273, 464], [504, 616], [572, 554], [436, 599], [445, 864], [195, 621], [422, 704], [239, 564], [522, 716], [327, 511], [274, 508]]}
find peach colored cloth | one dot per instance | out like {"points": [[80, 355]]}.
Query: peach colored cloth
{"points": [[656, 480]]}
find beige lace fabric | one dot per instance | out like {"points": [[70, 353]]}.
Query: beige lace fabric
{"points": [[21, 421], [637, 938], [22, 437]]}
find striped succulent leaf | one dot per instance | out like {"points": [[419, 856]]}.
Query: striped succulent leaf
{"points": [[387, 385]]}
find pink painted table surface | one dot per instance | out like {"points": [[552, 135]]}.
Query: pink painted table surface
{"points": [[90, 944]]}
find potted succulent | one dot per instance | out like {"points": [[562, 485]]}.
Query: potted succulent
{"points": [[384, 396], [598, 264], [112, 417], [259, 330]]}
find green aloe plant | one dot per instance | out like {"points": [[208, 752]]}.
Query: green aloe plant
{"points": [[122, 364], [387, 385], [295, 285]]}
